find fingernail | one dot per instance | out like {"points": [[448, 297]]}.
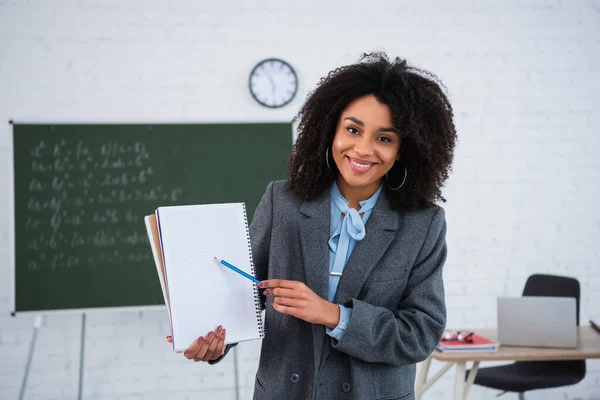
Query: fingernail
{"points": [[261, 285], [219, 329], [200, 340], [209, 336]]}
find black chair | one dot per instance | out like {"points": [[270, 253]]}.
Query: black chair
{"points": [[523, 376]]}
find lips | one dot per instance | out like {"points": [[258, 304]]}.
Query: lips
{"points": [[359, 166]]}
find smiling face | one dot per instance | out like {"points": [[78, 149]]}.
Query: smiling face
{"points": [[365, 147]]}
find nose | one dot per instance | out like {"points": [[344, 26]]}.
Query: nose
{"points": [[363, 146]]}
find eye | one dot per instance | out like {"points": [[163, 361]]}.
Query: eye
{"points": [[384, 139], [352, 130]]}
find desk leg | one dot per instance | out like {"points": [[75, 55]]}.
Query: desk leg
{"points": [[427, 384], [459, 380], [422, 378], [471, 378]]}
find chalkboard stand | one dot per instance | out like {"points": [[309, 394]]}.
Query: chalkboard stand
{"points": [[236, 374], [81, 356], [36, 327], [37, 324]]}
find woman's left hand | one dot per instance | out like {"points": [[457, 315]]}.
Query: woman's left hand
{"points": [[297, 299]]}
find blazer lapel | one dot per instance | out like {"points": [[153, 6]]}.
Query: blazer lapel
{"points": [[381, 230], [314, 234]]}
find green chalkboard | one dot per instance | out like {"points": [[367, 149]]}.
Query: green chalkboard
{"points": [[82, 191]]}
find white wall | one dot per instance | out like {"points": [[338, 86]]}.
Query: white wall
{"points": [[523, 79]]}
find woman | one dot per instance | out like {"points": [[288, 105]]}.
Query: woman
{"points": [[350, 248]]}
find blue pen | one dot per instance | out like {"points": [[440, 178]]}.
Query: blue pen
{"points": [[239, 271]]}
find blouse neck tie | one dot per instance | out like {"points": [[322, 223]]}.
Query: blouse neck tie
{"points": [[352, 223]]}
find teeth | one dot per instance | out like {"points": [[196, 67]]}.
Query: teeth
{"points": [[360, 165]]}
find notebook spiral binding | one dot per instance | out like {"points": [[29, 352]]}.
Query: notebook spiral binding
{"points": [[261, 327]]}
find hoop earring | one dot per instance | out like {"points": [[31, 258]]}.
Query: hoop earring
{"points": [[327, 159], [403, 180]]}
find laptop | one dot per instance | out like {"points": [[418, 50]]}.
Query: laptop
{"points": [[534, 321]]}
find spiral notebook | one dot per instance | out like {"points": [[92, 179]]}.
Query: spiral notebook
{"points": [[201, 294]]}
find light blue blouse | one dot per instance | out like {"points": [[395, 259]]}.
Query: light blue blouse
{"points": [[344, 235]]}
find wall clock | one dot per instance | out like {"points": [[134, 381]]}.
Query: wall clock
{"points": [[273, 83]]}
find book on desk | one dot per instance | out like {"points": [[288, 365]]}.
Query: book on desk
{"points": [[470, 344]]}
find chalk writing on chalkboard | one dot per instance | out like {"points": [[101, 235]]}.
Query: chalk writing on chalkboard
{"points": [[90, 197]]}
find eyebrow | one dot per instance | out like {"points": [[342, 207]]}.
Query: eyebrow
{"points": [[359, 122]]}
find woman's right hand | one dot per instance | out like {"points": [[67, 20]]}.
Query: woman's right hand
{"points": [[206, 348]]}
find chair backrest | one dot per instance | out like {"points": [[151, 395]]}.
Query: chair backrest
{"points": [[553, 285]]}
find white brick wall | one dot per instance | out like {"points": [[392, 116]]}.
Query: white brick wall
{"points": [[523, 81]]}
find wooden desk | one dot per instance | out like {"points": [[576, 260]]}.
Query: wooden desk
{"points": [[588, 346]]}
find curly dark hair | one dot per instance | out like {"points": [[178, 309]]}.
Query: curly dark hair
{"points": [[420, 110]]}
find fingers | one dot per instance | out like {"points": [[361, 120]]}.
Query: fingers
{"points": [[288, 302], [216, 347], [209, 347], [208, 339], [281, 292], [282, 309], [220, 349], [195, 347], [275, 283], [170, 339]]}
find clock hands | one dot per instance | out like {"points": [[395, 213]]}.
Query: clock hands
{"points": [[273, 86]]}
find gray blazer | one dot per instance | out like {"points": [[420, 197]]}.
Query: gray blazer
{"points": [[392, 281]]}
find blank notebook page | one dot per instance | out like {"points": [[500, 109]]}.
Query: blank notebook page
{"points": [[203, 293]]}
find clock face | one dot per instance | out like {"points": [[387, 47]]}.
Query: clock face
{"points": [[273, 83]]}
